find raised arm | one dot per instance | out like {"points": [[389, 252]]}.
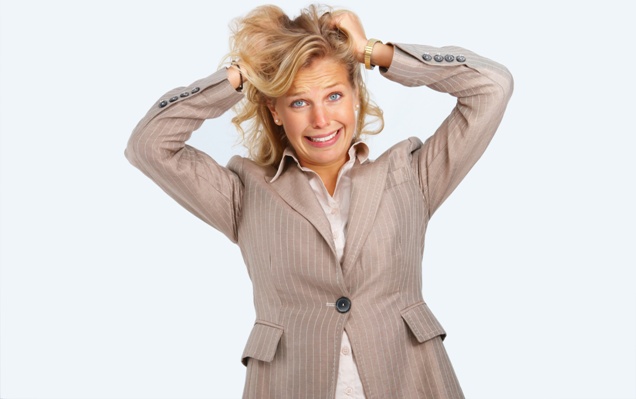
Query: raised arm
{"points": [[158, 148], [482, 88]]}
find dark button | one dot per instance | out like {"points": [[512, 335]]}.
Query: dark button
{"points": [[163, 104], [343, 305], [185, 94], [438, 58], [195, 90], [449, 58], [426, 57], [460, 58], [173, 99]]}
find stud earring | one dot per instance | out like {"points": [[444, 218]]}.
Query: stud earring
{"points": [[277, 121]]}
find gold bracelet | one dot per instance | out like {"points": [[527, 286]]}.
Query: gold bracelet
{"points": [[368, 49]]}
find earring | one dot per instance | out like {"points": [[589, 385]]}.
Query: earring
{"points": [[277, 121], [357, 106]]}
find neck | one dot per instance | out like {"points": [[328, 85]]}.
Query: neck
{"points": [[328, 174]]}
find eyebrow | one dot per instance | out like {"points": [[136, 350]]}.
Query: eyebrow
{"points": [[300, 91]]}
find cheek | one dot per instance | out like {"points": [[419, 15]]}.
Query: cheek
{"points": [[348, 112], [348, 116], [294, 129]]}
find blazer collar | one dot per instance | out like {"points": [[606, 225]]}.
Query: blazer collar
{"points": [[368, 181], [367, 186], [293, 188]]}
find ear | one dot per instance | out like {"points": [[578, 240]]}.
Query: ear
{"points": [[271, 104]]}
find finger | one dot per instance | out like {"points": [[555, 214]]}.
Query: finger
{"points": [[336, 19]]}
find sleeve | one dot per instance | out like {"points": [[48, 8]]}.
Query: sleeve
{"points": [[482, 88], [197, 182]]}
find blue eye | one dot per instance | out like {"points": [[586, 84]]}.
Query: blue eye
{"points": [[298, 103], [335, 96]]}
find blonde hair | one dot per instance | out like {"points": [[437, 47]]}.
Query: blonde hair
{"points": [[271, 48]]}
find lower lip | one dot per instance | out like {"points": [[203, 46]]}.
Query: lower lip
{"points": [[327, 143]]}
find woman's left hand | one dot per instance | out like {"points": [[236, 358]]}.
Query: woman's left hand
{"points": [[350, 24]]}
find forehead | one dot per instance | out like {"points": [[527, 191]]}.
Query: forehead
{"points": [[320, 74]]}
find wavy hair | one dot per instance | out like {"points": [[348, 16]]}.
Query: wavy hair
{"points": [[271, 49]]}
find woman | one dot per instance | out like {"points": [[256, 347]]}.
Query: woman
{"points": [[333, 241]]}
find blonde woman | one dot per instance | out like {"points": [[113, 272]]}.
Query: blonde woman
{"points": [[333, 241]]}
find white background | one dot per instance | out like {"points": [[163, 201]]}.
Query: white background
{"points": [[109, 289]]}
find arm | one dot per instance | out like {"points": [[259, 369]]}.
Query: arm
{"points": [[157, 147], [482, 88]]}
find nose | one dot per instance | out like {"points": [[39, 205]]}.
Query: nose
{"points": [[320, 117]]}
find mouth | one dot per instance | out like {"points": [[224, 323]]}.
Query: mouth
{"points": [[324, 139]]}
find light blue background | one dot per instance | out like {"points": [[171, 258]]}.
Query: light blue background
{"points": [[109, 289]]}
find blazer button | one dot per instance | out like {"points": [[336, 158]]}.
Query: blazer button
{"points": [[163, 104], [343, 305], [185, 94], [173, 99], [449, 58], [195, 90], [438, 58], [426, 57], [460, 58]]}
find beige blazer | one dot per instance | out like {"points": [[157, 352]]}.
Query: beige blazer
{"points": [[288, 248]]}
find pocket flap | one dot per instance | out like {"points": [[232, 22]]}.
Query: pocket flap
{"points": [[263, 342], [422, 322]]}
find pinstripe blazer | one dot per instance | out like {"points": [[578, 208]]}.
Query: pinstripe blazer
{"points": [[286, 241]]}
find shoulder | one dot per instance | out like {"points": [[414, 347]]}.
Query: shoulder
{"points": [[401, 152], [246, 168]]}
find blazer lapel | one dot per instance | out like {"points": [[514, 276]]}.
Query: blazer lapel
{"points": [[368, 181], [293, 187]]}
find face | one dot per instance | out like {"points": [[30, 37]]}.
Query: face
{"points": [[319, 114]]}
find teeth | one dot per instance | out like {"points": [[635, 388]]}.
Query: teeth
{"points": [[323, 139]]}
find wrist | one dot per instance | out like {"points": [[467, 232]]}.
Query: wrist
{"points": [[382, 55], [368, 52], [377, 53], [235, 76]]}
